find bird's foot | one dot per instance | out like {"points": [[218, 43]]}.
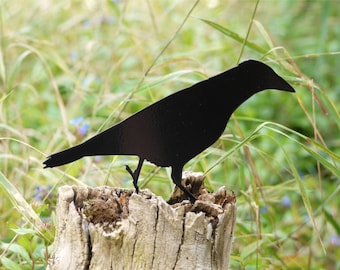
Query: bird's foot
{"points": [[133, 175], [192, 198]]}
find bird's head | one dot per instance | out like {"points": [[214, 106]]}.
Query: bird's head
{"points": [[261, 77]]}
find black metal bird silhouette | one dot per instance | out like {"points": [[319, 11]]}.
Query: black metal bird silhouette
{"points": [[175, 129]]}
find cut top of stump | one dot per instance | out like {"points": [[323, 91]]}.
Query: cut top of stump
{"points": [[119, 229]]}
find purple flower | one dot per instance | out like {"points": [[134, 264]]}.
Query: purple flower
{"points": [[73, 56], [286, 202], [41, 192], [76, 121], [98, 159], [335, 240], [263, 209], [82, 127]]}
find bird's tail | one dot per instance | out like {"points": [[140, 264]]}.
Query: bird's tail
{"points": [[65, 156]]}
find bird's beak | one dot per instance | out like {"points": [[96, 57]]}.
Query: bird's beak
{"points": [[283, 85], [289, 88]]}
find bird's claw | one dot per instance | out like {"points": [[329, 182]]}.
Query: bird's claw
{"points": [[133, 177]]}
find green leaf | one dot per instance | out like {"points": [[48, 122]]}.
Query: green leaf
{"points": [[9, 264], [23, 206], [18, 250], [235, 36], [24, 231], [332, 221]]}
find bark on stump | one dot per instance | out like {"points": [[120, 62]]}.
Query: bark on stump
{"points": [[112, 228]]}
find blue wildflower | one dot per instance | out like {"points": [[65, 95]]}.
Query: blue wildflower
{"points": [[286, 202], [98, 159], [73, 56], [335, 240], [76, 121], [41, 192], [83, 129], [263, 209]]}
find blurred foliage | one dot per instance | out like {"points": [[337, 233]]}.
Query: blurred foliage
{"points": [[69, 69]]}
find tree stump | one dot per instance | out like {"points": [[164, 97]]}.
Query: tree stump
{"points": [[112, 228]]}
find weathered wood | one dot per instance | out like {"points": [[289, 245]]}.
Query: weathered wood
{"points": [[111, 228]]}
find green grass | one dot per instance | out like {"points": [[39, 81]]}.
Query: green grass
{"points": [[104, 60]]}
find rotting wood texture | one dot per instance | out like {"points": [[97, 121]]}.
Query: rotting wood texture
{"points": [[112, 228]]}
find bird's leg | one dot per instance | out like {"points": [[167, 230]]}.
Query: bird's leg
{"points": [[135, 174], [176, 176]]}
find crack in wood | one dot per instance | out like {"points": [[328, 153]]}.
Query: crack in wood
{"points": [[111, 228]]}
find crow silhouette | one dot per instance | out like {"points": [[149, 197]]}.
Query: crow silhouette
{"points": [[175, 129]]}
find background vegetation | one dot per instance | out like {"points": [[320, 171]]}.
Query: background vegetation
{"points": [[69, 69]]}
